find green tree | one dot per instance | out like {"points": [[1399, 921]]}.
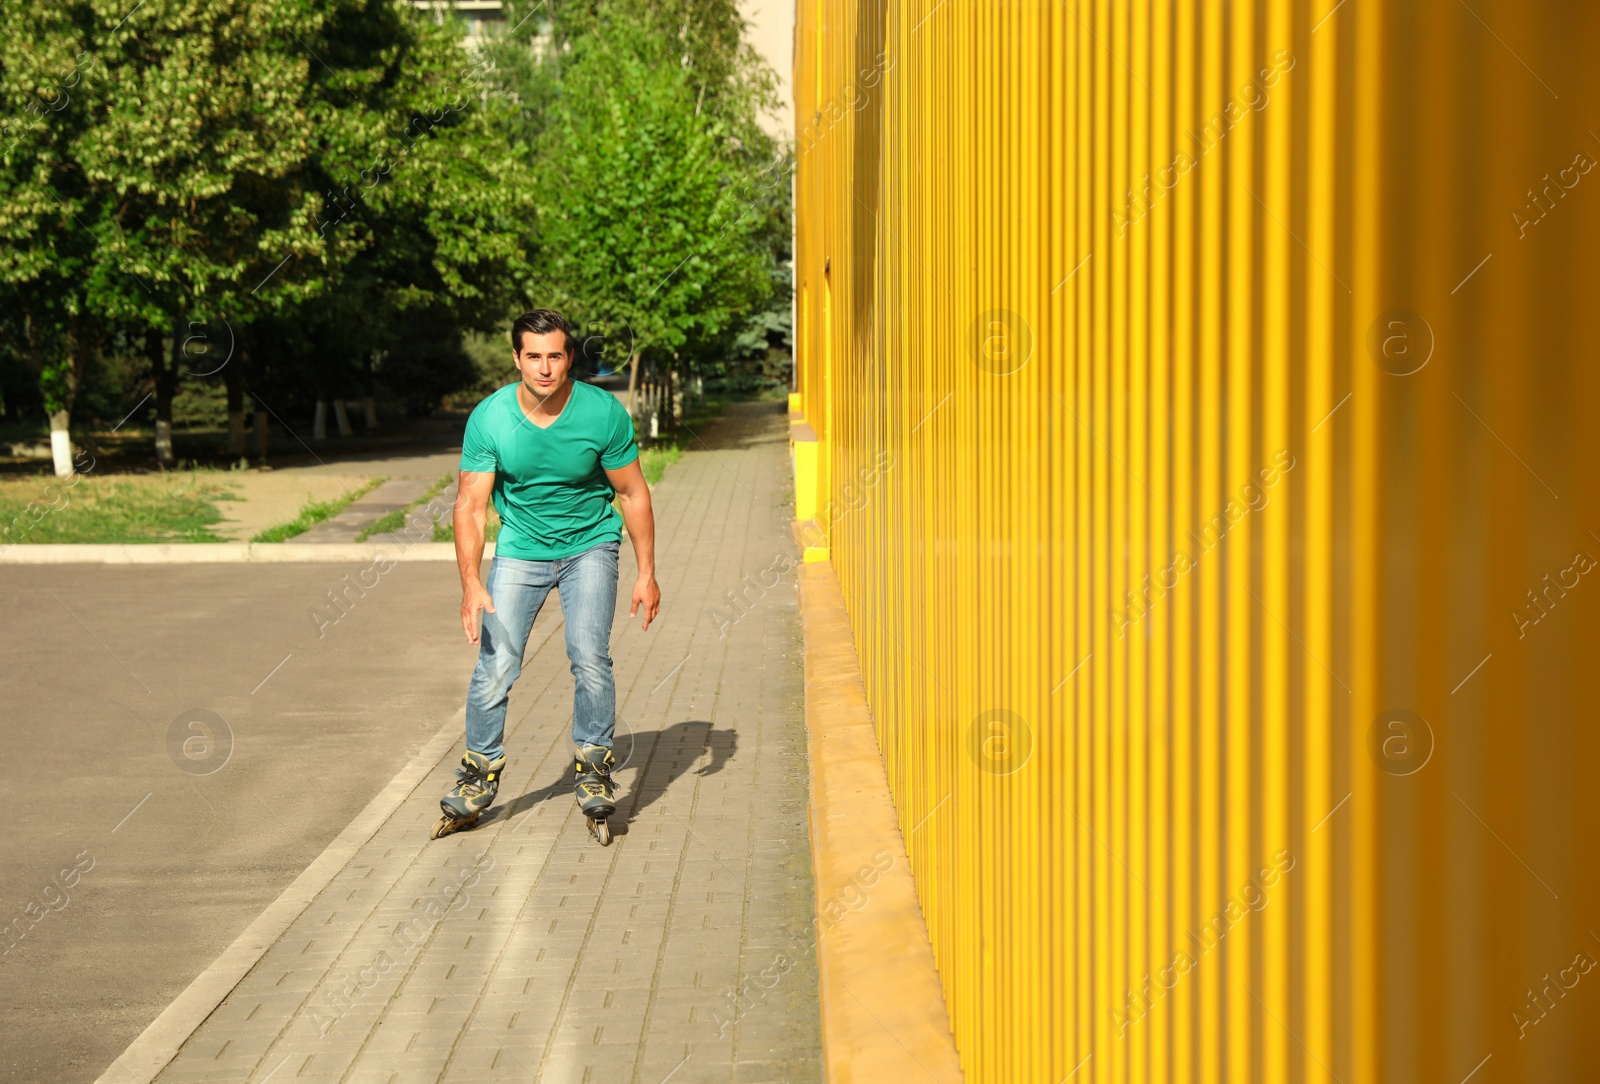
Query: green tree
{"points": [[640, 221], [197, 158], [425, 197], [47, 249], [241, 162]]}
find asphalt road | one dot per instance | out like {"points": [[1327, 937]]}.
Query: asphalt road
{"points": [[177, 744]]}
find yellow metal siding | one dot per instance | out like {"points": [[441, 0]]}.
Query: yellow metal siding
{"points": [[1030, 395]]}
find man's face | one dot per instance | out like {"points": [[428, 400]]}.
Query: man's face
{"points": [[543, 362]]}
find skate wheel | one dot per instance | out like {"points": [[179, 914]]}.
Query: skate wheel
{"points": [[600, 830], [447, 825]]}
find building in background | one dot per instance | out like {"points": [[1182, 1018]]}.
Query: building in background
{"points": [[481, 16], [770, 32]]}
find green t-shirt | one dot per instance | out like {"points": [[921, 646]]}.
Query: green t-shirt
{"points": [[550, 489]]}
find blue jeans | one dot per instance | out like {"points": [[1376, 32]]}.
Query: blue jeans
{"points": [[587, 584]]}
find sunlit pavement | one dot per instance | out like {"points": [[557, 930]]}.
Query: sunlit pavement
{"points": [[520, 949]]}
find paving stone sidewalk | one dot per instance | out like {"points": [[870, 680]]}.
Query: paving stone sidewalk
{"points": [[421, 520], [394, 495], [522, 950]]}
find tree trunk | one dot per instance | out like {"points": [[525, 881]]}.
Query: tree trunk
{"points": [[342, 416], [61, 442], [633, 383], [164, 454], [655, 401], [166, 379], [367, 401], [261, 436], [319, 421], [61, 397], [233, 378]]}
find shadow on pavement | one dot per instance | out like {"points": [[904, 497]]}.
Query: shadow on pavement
{"points": [[649, 780]]}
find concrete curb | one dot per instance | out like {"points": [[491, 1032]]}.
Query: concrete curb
{"points": [[872, 939], [159, 1043], [207, 553]]}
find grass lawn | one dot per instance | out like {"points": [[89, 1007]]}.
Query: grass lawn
{"points": [[313, 513], [655, 461], [177, 506]]}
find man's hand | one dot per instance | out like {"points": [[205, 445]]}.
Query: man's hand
{"points": [[473, 600], [633, 498], [471, 514], [648, 595]]}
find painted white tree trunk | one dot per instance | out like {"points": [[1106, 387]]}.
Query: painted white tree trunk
{"points": [[343, 417], [164, 441], [61, 443], [319, 423], [372, 412], [633, 385]]}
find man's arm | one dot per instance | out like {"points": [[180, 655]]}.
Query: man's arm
{"points": [[633, 497], [470, 521]]}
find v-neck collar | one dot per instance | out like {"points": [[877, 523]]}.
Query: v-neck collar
{"points": [[516, 395]]}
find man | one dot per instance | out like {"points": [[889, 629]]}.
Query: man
{"points": [[552, 452]]}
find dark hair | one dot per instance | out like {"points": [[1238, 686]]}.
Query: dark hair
{"points": [[540, 322]]}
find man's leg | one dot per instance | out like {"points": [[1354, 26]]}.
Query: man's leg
{"points": [[588, 589], [518, 590]]}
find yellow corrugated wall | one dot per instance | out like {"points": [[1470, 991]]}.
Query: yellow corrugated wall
{"points": [[1091, 292]]}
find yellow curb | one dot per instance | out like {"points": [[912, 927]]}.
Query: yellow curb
{"points": [[883, 1010], [812, 542], [803, 454]]}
